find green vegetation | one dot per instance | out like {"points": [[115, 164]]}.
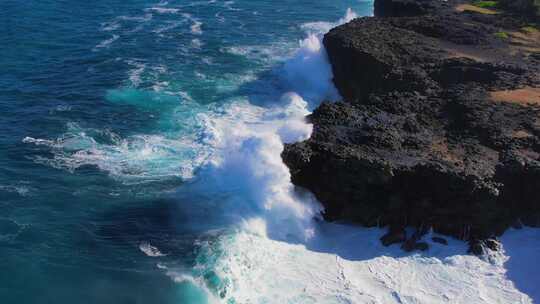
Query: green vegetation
{"points": [[485, 4], [502, 35], [529, 29]]}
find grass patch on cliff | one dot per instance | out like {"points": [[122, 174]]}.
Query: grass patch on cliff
{"points": [[486, 4], [502, 35], [476, 9], [529, 29]]}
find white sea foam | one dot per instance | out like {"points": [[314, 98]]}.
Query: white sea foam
{"points": [[196, 27], [145, 18], [344, 264], [309, 73], [196, 43], [321, 27], [110, 26], [106, 43], [160, 86], [20, 189], [248, 141], [150, 250], [170, 25], [61, 108], [163, 10], [196, 24], [219, 17], [229, 6], [136, 159], [136, 72], [230, 82], [265, 53]]}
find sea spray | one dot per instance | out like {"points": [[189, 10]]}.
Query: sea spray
{"points": [[308, 72], [248, 164], [249, 141]]}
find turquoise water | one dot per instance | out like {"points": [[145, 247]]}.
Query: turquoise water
{"points": [[139, 137]]}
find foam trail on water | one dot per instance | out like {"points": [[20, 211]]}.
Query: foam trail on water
{"points": [[139, 158], [106, 43]]}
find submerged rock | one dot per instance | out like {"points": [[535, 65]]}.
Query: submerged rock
{"points": [[439, 126], [439, 240], [394, 236], [480, 247], [412, 245]]}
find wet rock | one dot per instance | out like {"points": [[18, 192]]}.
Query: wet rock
{"points": [[366, 58], [480, 247], [493, 244], [532, 220], [394, 236], [409, 245], [412, 244], [517, 224], [422, 246], [476, 247], [439, 240]]}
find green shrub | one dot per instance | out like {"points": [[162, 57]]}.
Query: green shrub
{"points": [[529, 29], [485, 4], [502, 35]]}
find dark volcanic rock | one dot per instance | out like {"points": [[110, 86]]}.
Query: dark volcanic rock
{"points": [[385, 8], [394, 235], [480, 247], [370, 55], [439, 240], [530, 8], [439, 126]]}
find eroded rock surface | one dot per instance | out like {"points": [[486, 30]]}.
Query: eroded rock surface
{"points": [[434, 129]]}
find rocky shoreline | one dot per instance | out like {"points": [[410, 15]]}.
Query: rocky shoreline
{"points": [[439, 126]]}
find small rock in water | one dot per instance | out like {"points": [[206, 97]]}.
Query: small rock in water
{"points": [[409, 245], [517, 224], [422, 246], [478, 247], [394, 236], [493, 244], [412, 244], [439, 240]]}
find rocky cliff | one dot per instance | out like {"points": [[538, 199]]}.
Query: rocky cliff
{"points": [[439, 126]]}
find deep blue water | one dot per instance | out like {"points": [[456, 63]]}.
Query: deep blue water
{"points": [[110, 114]]}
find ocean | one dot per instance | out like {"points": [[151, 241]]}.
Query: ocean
{"points": [[140, 162]]}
